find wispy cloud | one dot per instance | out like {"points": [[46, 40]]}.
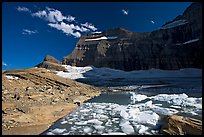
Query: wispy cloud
{"points": [[67, 28], [89, 26], [125, 12], [4, 64], [29, 32], [152, 21], [52, 15], [57, 20], [23, 9]]}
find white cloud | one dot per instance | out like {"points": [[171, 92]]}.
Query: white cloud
{"points": [[70, 18], [56, 20], [66, 28], [53, 15], [89, 26], [40, 14], [22, 9], [29, 32], [125, 12], [4, 64], [152, 21]]}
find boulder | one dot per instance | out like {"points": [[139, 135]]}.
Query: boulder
{"points": [[179, 125]]}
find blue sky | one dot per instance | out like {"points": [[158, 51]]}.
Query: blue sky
{"points": [[31, 30]]}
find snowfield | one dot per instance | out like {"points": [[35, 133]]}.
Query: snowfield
{"points": [[107, 73]]}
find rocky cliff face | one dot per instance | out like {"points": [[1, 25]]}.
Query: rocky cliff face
{"points": [[177, 44]]}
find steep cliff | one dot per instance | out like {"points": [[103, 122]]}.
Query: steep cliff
{"points": [[177, 44]]}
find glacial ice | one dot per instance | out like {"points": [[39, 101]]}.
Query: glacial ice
{"points": [[95, 121], [164, 111], [114, 133], [58, 131], [137, 118], [126, 127], [146, 117], [141, 128], [107, 73], [88, 130], [137, 97]]}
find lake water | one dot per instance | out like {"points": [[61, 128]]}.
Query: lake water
{"points": [[133, 107]]}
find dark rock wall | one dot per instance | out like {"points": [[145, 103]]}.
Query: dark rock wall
{"points": [[162, 49]]}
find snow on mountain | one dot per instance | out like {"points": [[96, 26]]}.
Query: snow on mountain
{"points": [[187, 42], [174, 24], [107, 73], [101, 38]]}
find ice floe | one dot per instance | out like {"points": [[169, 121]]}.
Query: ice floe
{"points": [[142, 116]]}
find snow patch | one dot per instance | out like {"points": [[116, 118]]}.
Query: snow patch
{"points": [[11, 77], [101, 38], [174, 24]]}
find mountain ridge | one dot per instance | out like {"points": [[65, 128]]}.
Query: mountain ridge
{"points": [[177, 44]]}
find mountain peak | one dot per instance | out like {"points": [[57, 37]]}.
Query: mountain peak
{"points": [[51, 59]]}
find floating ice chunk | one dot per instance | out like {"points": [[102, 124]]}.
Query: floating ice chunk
{"points": [[141, 128], [99, 127], [95, 121], [146, 117], [126, 127], [133, 112], [124, 122], [124, 114], [87, 129], [58, 131], [164, 111], [50, 133], [137, 97], [175, 99], [144, 106], [114, 133], [81, 123], [99, 111], [73, 128], [108, 123], [103, 117], [194, 102], [158, 104], [64, 122], [84, 110], [66, 133], [172, 106], [167, 97], [148, 104]]}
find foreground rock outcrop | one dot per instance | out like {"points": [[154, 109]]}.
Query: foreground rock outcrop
{"points": [[177, 44], [32, 99], [179, 125]]}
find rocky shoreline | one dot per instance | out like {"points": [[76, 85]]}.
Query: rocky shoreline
{"points": [[33, 99]]}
